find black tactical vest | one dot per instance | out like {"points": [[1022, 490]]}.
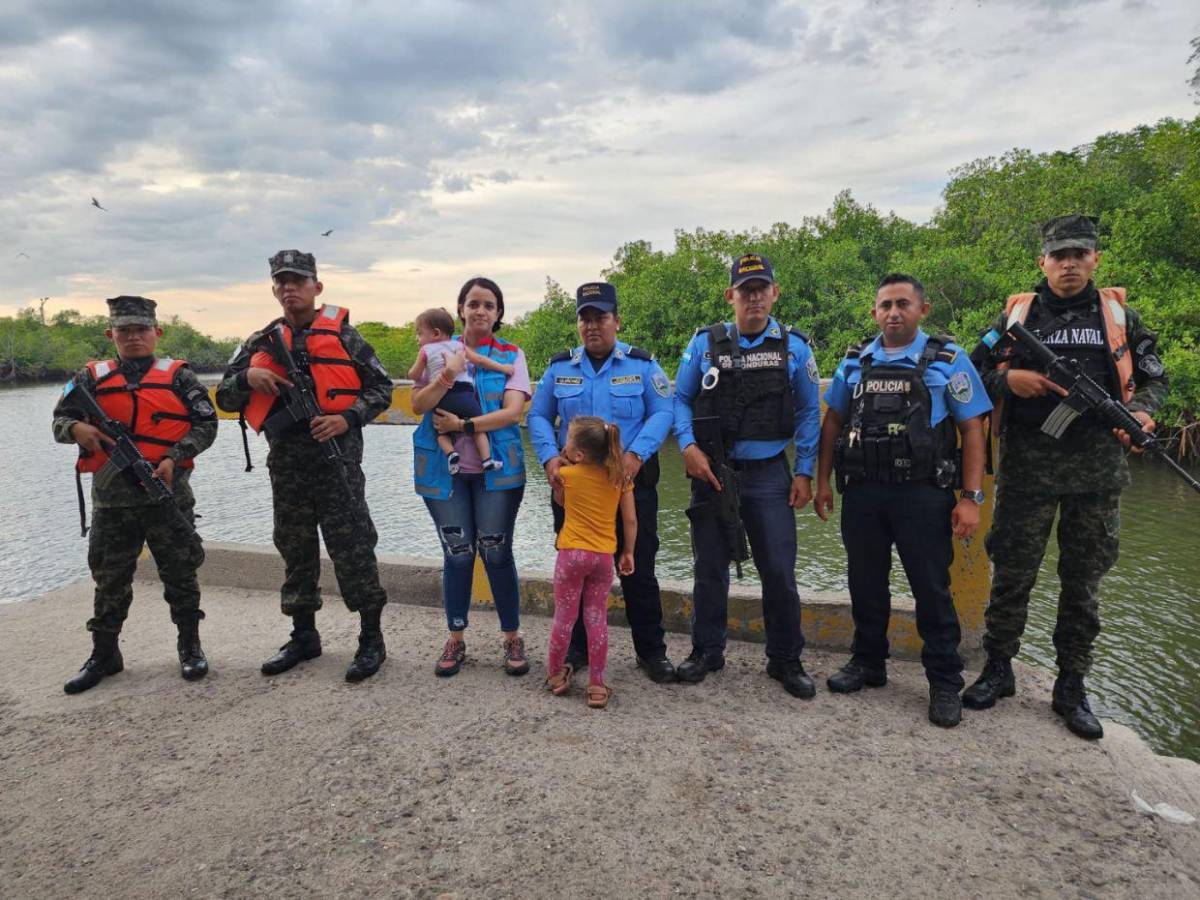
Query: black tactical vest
{"points": [[753, 395], [887, 435], [1076, 334]]}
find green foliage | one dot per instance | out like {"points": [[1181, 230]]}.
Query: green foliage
{"points": [[396, 346]]}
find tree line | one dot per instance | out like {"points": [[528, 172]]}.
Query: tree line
{"points": [[980, 246]]}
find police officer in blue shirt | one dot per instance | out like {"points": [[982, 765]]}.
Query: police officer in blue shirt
{"points": [[896, 408], [753, 385], [623, 384]]}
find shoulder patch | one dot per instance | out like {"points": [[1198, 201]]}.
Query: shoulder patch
{"points": [[811, 368], [661, 386], [639, 353], [959, 387], [561, 357]]}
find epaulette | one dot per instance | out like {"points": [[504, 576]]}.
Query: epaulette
{"points": [[561, 357], [803, 335], [639, 353], [944, 353], [855, 350]]}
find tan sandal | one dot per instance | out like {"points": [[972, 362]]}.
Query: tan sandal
{"points": [[598, 695], [560, 682]]}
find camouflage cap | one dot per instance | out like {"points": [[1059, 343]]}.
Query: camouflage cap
{"points": [[1065, 232], [293, 261], [126, 310]]}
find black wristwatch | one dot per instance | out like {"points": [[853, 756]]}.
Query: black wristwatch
{"points": [[468, 425], [977, 496]]}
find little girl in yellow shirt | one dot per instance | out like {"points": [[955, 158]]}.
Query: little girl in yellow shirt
{"points": [[593, 487]]}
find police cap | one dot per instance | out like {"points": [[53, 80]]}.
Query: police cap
{"points": [[750, 266], [598, 295]]}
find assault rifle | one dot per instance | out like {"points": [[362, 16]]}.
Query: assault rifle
{"points": [[724, 505], [300, 405], [1083, 394], [124, 456]]}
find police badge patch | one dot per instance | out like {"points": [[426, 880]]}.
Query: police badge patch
{"points": [[960, 387], [811, 367], [662, 387], [1151, 365]]}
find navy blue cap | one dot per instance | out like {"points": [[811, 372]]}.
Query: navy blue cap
{"points": [[749, 266], [598, 295]]}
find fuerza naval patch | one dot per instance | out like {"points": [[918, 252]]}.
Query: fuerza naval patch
{"points": [[960, 387]]}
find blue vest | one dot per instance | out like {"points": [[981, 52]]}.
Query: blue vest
{"points": [[431, 472]]}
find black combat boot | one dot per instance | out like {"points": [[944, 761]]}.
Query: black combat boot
{"points": [[1071, 703], [105, 660], [854, 675], [193, 664], [945, 706], [996, 681], [792, 676], [371, 652], [698, 664], [305, 644]]}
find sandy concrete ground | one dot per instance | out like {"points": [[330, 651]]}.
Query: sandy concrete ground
{"points": [[485, 785]]}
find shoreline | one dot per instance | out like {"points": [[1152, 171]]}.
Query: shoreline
{"points": [[482, 784]]}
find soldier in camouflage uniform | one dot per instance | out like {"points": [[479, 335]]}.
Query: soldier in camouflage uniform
{"points": [[1080, 475], [124, 517], [305, 485]]}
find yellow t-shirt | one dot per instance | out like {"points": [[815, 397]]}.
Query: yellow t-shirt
{"points": [[590, 501]]}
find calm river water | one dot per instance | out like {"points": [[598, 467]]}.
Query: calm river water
{"points": [[1147, 672]]}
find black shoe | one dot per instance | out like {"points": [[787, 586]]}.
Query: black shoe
{"points": [[792, 676], [1071, 703], [659, 670], [945, 707], [693, 669], [303, 645], [370, 656], [996, 681], [193, 664], [853, 676], [105, 660]]}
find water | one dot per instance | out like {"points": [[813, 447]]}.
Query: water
{"points": [[1147, 659]]}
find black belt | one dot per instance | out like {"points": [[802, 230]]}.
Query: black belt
{"points": [[744, 465]]}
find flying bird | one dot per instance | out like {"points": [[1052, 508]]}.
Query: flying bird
{"points": [[96, 203], [327, 233], [24, 254]]}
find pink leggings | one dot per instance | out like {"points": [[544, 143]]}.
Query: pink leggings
{"points": [[590, 575]]}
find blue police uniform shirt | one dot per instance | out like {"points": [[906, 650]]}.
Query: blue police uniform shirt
{"points": [[633, 393], [802, 371], [954, 387]]}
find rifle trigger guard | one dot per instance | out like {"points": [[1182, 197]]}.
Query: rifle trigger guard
{"points": [[710, 379]]}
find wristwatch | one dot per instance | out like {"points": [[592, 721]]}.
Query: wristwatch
{"points": [[469, 426], [977, 496]]}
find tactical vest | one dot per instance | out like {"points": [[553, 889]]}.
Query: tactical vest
{"points": [[155, 415], [887, 435], [1094, 335], [319, 350], [752, 397]]}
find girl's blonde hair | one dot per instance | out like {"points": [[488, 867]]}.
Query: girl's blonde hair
{"points": [[600, 443]]}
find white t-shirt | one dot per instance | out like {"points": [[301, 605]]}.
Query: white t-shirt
{"points": [[435, 358]]}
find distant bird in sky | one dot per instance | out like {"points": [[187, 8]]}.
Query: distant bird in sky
{"points": [[327, 233], [24, 254], [96, 203]]}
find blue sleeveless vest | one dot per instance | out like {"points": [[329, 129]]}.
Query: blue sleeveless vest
{"points": [[431, 472]]}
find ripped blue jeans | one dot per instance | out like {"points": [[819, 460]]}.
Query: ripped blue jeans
{"points": [[476, 520]]}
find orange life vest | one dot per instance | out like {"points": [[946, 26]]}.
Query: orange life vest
{"points": [[1112, 310], [335, 380], [154, 414]]}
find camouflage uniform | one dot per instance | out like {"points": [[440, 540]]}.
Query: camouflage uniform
{"points": [[1080, 476], [307, 493], [124, 517]]}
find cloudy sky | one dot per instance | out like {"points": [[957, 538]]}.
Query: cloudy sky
{"points": [[519, 140]]}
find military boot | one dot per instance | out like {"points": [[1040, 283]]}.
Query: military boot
{"points": [[371, 651], [305, 644], [1071, 703], [996, 681], [193, 664], [105, 660]]}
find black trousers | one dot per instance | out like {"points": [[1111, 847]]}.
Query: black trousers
{"points": [[643, 602], [915, 517]]}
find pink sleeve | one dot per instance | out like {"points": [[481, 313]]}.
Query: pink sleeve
{"points": [[519, 379]]}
